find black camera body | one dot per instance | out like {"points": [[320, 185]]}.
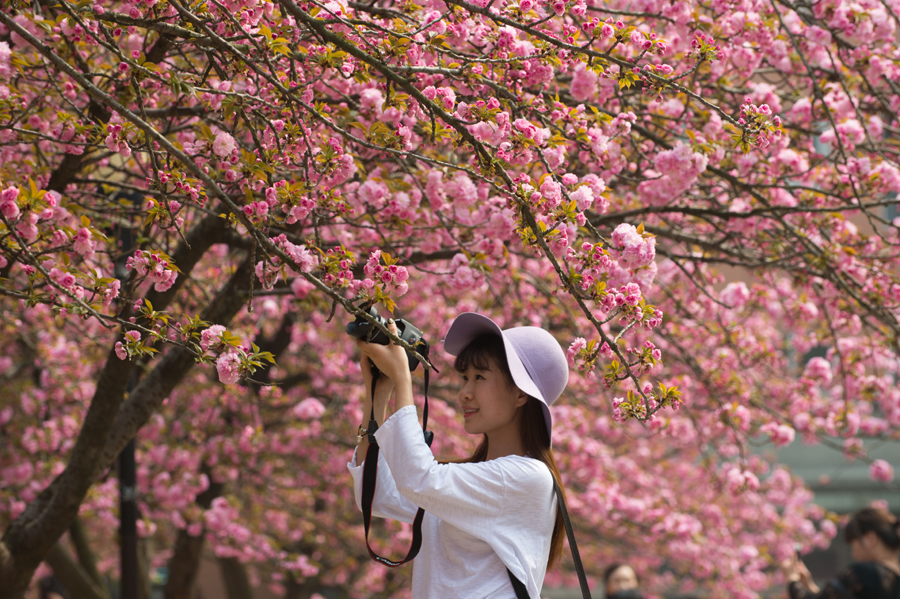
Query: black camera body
{"points": [[363, 329]]}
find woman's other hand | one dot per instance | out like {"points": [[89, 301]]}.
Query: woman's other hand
{"points": [[796, 571], [392, 362]]}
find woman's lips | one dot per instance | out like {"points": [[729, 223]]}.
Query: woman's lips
{"points": [[468, 412]]}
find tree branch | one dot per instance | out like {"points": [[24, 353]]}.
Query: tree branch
{"points": [[72, 576]]}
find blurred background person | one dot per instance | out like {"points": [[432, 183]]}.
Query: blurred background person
{"points": [[874, 538], [51, 588], [621, 582]]}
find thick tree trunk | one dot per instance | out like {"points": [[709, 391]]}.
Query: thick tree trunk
{"points": [[110, 423], [184, 565], [237, 583], [185, 560]]}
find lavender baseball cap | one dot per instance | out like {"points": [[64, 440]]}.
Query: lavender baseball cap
{"points": [[536, 361]]}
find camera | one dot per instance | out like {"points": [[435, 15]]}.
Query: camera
{"points": [[363, 329]]}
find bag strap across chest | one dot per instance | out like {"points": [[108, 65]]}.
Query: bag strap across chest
{"points": [[519, 586]]}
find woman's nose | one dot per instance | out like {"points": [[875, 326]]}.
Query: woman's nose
{"points": [[465, 392]]}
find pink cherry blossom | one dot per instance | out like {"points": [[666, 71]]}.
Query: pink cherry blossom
{"points": [[630, 248], [309, 409], [735, 295], [881, 471], [211, 336], [228, 365], [224, 144]]}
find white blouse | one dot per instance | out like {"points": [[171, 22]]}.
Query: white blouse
{"points": [[480, 519]]}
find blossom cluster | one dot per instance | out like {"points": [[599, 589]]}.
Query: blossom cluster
{"points": [[270, 270], [155, 267], [384, 277]]}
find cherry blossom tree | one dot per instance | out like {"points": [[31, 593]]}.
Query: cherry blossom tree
{"points": [[695, 196]]}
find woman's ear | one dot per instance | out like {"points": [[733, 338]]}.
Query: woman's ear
{"points": [[521, 398]]}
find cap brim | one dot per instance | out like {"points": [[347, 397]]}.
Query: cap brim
{"points": [[466, 327]]}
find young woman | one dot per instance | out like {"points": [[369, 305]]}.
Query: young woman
{"points": [[497, 510], [874, 539]]}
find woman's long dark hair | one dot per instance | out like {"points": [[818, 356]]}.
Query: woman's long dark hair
{"points": [[485, 352]]}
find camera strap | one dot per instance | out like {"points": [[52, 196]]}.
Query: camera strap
{"points": [[370, 478], [519, 586]]}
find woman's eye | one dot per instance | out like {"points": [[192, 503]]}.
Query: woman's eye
{"points": [[478, 376]]}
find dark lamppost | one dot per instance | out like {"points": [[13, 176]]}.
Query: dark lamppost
{"points": [[129, 576], [128, 523]]}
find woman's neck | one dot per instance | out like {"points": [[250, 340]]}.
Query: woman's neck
{"points": [[885, 556], [504, 442]]}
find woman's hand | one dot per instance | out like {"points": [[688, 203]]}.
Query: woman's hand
{"points": [[392, 362], [390, 359], [796, 571]]}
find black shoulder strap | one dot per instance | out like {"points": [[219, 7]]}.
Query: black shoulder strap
{"points": [[370, 478], [519, 587]]}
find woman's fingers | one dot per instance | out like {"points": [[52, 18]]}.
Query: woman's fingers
{"points": [[392, 327], [390, 359]]}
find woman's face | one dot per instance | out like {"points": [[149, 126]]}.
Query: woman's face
{"points": [[865, 548], [857, 551], [488, 401], [622, 579]]}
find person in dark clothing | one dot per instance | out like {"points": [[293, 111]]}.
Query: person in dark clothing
{"points": [[51, 588], [621, 582], [874, 538]]}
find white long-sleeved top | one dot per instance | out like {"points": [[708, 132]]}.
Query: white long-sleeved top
{"points": [[480, 519]]}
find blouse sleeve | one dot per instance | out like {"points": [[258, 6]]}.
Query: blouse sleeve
{"points": [[467, 496], [388, 502]]}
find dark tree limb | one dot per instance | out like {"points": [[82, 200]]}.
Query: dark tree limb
{"points": [[169, 370], [237, 583], [276, 344], [184, 565], [185, 561], [29, 538], [83, 549], [72, 576]]}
